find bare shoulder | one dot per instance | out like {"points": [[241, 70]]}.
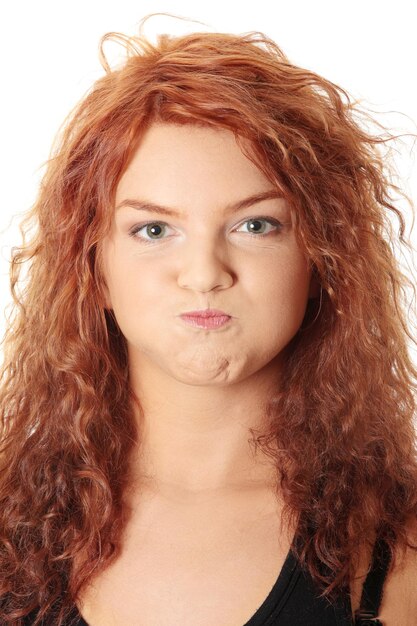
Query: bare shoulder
{"points": [[399, 601]]}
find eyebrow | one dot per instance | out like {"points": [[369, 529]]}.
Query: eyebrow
{"points": [[145, 205]]}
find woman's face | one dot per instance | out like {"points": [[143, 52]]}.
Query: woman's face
{"points": [[245, 262]]}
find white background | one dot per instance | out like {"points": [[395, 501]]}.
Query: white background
{"points": [[49, 52]]}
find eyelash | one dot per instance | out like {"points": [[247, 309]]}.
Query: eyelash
{"points": [[133, 232]]}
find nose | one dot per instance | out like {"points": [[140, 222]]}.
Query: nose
{"points": [[204, 267]]}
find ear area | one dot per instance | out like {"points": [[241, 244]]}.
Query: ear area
{"points": [[314, 291], [103, 295], [101, 284], [106, 298]]}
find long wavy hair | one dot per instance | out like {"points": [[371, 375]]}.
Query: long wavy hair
{"points": [[340, 426]]}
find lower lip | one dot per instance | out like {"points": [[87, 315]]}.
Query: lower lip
{"points": [[206, 322]]}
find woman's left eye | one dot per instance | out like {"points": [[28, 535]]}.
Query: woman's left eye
{"points": [[256, 229], [257, 221]]}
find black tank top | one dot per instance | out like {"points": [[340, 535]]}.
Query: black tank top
{"points": [[294, 599]]}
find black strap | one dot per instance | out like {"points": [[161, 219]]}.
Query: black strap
{"points": [[372, 590]]}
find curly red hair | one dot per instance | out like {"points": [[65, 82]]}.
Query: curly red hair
{"points": [[341, 426]]}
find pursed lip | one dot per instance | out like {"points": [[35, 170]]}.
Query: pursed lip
{"points": [[205, 313]]}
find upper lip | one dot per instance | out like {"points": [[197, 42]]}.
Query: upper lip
{"points": [[206, 313]]}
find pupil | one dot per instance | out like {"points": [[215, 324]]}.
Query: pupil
{"points": [[152, 229], [256, 222]]}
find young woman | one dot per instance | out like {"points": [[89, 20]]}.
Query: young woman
{"points": [[207, 394]]}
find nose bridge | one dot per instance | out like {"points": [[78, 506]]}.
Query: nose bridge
{"points": [[204, 262]]}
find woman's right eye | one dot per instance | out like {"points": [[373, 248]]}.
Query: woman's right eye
{"points": [[151, 228]]}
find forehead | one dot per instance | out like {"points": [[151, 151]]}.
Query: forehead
{"points": [[190, 161]]}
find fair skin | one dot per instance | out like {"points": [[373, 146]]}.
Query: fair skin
{"points": [[205, 532], [201, 390], [204, 504]]}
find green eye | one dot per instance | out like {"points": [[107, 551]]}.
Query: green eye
{"points": [[257, 226], [152, 228]]}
